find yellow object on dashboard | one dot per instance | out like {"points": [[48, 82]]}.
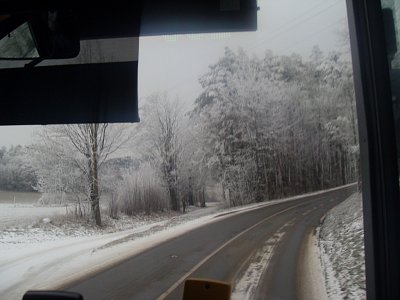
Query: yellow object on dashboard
{"points": [[201, 289]]}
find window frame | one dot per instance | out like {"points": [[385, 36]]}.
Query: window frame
{"points": [[380, 186]]}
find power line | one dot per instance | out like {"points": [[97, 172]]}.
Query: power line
{"points": [[279, 31], [292, 45]]}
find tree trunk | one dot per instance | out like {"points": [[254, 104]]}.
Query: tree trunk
{"points": [[203, 198], [223, 192], [173, 199], [183, 204], [190, 193], [93, 176]]}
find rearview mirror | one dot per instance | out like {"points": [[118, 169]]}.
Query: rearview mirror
{"points": [[56, 34], [65, 83]]}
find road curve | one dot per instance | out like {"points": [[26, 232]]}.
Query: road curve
{"points": [[224, 250]]}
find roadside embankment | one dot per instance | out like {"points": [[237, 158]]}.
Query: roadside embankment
{"points": [[341, 247]]}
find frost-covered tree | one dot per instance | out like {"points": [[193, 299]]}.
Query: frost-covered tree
{"points": [[69, 157], [194, 172], [160, 132], [16, 173], [278, 125]]}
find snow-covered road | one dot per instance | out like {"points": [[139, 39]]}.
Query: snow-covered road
{"points": [[52, 263]]}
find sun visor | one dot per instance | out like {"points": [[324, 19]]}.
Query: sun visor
{"points": [[100, 85]]}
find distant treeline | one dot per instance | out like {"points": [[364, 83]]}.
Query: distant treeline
{"points": [[16, 173], [261, 128], [278, 125]]}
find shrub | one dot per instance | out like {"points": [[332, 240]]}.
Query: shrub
{"points": [[141, 191]]}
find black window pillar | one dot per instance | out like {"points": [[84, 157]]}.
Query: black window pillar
{"points": [[380, 182]]}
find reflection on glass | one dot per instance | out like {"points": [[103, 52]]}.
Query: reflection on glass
{"points": [[18, 44]]}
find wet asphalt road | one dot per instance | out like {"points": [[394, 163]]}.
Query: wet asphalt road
{"points": [[221, 250]]}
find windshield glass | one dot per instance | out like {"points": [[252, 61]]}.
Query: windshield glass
{"points": [[244, 168], [18, 44]]}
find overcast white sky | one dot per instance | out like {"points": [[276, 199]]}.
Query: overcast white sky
{"points": [[174, 64]]}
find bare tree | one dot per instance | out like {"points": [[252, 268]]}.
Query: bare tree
{"points": [[86, 147], [161, 133]]}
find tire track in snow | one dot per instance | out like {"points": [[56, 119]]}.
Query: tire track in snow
{"points": [[246, 285]]}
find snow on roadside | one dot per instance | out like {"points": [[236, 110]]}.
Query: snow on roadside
{"points": [[22, 225], [50, 254], [62, 261], [58, 228], [341, 244]]}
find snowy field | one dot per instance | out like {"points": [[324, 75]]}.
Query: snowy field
{"points": [[19, 197], [19, 209], [341, 244], [18, 216]]}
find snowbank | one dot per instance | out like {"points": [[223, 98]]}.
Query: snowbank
{"points": [[341, 244]]}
